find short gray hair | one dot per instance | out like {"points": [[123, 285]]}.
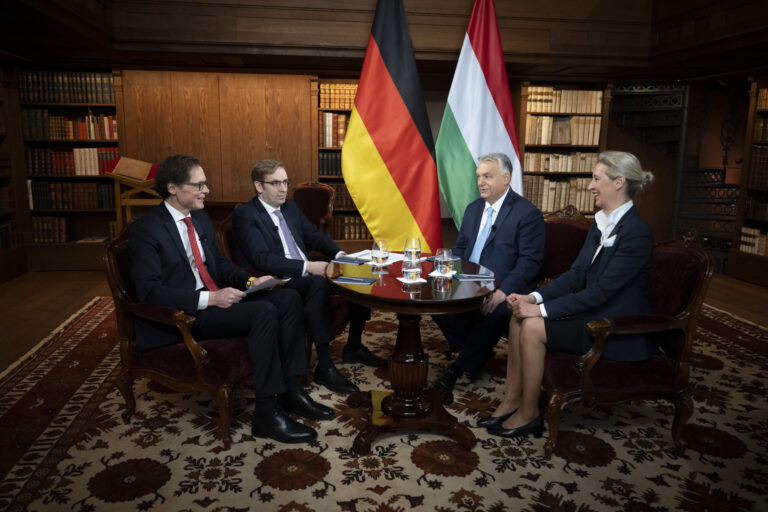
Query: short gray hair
{"points": [[505, 164], [627, 165]]}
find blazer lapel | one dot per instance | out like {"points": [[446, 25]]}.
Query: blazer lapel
{"points": [[173, 230], [294, 225], [506, 207], [267, 223]]}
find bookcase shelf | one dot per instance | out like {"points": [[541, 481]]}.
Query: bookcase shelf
{"points": [[334, 106], [748, 257], [561, 131]]}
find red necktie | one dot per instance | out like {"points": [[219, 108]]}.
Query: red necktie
{"points": [[204, 275]]}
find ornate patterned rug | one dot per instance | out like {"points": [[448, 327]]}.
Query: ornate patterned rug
{"points": [[64, 446]]}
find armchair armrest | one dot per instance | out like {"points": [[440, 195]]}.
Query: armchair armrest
{"points": [[159, 314]]}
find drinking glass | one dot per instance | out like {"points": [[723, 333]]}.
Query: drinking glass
{"points": [[411, 270], [412, 249], [380, 252], [443, 261]]}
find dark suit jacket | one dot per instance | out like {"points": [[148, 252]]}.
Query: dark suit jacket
{"points": [[515, 247], [258, 242], [162, 275], [616, 287]]}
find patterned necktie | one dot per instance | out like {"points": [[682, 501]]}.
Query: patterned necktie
{"points": [[205, 277], [292, 248], [480, 242]]}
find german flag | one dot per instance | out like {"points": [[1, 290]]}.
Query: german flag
{"points": [[388, 156]]}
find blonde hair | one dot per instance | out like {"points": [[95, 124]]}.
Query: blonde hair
{"points": [[627, 165]]}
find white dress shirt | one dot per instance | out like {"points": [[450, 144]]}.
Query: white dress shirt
{"points": [[496, 208], [178, 218], [270, 210]]}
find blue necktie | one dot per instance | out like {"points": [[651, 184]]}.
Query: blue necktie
{"points": [[480, 242]]}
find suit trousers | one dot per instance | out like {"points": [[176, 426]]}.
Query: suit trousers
{"points": [[273, 323], [473, 335]]}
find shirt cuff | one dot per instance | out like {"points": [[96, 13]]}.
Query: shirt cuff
{"points": [[538, 297], [202, 301], [340, 254], [543, 311], [304, 268]]}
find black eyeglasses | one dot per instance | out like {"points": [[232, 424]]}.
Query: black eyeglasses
{"points": [[199, 185], [277, 183]]}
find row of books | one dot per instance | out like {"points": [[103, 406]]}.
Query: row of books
{"points": [[760, 133], [348, 227], [5, 165], [705, 176], [337, 96], [553, 195], [758, 167], [77, 162], [564, 101], [66, 87], [341, 199], [332, 129], [8, 235], [753, 241], [762, 99], [724, 192], [49, 230], [329, 163], [560, 162], [64, 195], [708, 209], [571, 130], [7, 201], [39, 124], [756, 209]]}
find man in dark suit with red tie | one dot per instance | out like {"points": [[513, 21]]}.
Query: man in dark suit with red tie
{"points": [[177, 263], [504, 232], [272, 235]]}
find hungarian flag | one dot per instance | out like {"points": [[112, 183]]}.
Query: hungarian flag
{"points": [[388, 157], [478, 118]]}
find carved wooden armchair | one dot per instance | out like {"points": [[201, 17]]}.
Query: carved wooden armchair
{"points": [[216, 366], [679, 280]]}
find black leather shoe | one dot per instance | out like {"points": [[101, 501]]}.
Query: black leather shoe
{"points": [[362, 355], [298, 402], [282, 428], [535, 426], [332, 379], [494, 420], [447, 379]]}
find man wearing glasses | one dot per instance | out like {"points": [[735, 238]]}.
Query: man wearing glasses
{"points": [[273, 236], [177, 263]]}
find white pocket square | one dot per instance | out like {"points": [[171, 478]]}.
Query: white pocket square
{"points": [[608, 242]]}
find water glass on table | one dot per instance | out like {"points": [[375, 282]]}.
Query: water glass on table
{"points": [[444, 261], [411, 270], [380, 252], [412, 249]]}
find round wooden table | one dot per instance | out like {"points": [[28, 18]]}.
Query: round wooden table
{"points": [[411, 406]]}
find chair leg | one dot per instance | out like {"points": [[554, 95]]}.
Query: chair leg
{"points": [[552, 417], [683, 411], [225, 398], [125, 386]]}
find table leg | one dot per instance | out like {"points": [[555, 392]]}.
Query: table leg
{"points": [[411, 406]]}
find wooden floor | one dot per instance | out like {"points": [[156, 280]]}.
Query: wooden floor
{"points": [[36, 303]]}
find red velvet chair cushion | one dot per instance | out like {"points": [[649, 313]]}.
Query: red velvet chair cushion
{"points": [[656, 373], [564, 241], [225, 363]]}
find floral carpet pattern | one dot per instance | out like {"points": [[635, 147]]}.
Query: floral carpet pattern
{"points": [[65, 447]]}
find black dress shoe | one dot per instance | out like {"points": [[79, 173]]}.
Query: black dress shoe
{"points": [[298, 402], [362, 355], [534, 426], [282, 428], [447, 379], [332, 379], [494, 420]]}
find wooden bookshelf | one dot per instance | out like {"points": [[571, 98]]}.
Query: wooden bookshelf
{"points": [[748, 258], [561, 131], [335, 99]]}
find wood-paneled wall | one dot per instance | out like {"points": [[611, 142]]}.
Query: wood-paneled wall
{"points": [[229, 121]]}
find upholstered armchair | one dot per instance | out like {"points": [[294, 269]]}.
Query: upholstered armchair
{"points": [[315, 200], [216, 366], [679, 280], [566, 231]]}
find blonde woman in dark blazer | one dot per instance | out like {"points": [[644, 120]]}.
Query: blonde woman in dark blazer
{"points": [[608, 279]]}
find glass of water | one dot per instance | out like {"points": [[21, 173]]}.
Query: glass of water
{"points": [[412, 249], [411, 270], [444, 261], [380, 252]]}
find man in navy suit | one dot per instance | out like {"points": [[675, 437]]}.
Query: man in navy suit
{"points": [[503, 232], [272, 235], [177, 263]]}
